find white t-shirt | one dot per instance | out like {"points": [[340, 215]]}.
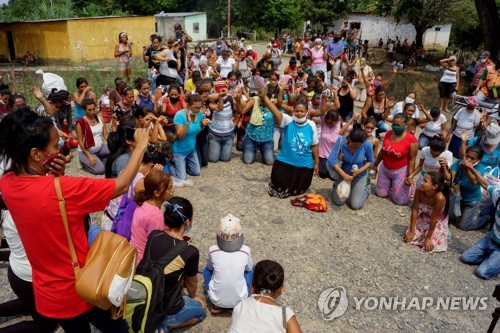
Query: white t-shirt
{"points": [[228, 286], [434, 127], [164, 69], [398, 108], [225, 66], [432, 163], [98, 138], [18, 260], [466, 120], [251, 316]]}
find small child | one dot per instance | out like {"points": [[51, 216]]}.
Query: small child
{"points": [[429, 217], [261, 312], [229, 267], [369, 125]]}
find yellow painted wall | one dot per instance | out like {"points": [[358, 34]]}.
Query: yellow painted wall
{"points": [[48, 39], [95, 39]]}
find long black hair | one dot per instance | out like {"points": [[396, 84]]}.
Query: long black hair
{"points": [[117, 142]]}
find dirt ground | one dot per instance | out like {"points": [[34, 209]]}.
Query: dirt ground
{"points": [[362, 251]]}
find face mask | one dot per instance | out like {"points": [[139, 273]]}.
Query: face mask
{"points": [[300, 120], [363, 63], [398, 129], [50, 158], [306, 39], [317, 47], [409, 100], [173, 99], [483, 61], [188, 229], [232, 84], [376, 83], [300, 74], [336, 39], [272, 84]]}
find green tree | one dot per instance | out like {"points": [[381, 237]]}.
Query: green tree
{"points": [[490, 25], [324, 12]]}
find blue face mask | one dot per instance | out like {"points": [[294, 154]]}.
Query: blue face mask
{"points": [[187, 229]]}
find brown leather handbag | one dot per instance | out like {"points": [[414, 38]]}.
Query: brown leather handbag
{"points": [[109, 267]]}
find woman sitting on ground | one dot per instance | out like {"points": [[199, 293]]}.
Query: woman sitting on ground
{"points": [[398, 155], [350, 159], [375, 106], [429, 217], [298, 159], [123, 108], [158, 188], [261, 312], [92, 133], [144, 98], [466, 194], [185, 310], [84, 92], [121, 145]]}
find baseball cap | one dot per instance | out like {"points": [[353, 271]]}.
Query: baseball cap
{"points": [[492, 134], [485, 54], [275, 44], [249, 48], [229, 234], [177, 26]]}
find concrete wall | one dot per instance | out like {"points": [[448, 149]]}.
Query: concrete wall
{"points": [[165, 26], [201, 19], [48, 40], [95, 39], [375, 27]]}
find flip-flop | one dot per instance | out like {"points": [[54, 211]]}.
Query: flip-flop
{"points": [[215, 309]]}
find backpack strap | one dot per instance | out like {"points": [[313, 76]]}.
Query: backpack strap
{"points": [[283, 314]]}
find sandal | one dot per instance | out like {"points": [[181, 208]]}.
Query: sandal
{"points": [[214, 309]]}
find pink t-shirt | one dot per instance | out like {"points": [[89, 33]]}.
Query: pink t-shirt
{"points": [[329, 136], [147, 218], [317, 56]]}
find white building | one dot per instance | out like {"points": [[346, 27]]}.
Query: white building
{"points": [[195, 24], [372, 28]]}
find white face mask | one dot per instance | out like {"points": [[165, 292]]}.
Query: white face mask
{"points": [[483, 61], [409, 100], [300, 120], [317, 47]]}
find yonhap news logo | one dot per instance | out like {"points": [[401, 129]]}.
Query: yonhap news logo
{"points": [[333, 303]]}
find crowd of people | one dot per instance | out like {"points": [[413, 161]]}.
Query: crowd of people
{"points": [[189, 110]]}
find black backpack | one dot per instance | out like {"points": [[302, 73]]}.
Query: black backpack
{"points": [[146, 306]]}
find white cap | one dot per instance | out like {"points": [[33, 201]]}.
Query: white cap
{"points": [[229, 234], [249, 47]]}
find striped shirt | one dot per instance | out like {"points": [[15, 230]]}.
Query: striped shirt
{"points": [[222, 121]]}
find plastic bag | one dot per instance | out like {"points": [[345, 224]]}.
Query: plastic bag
{"points": [[51, 81], [343, 190], [455, 201]]}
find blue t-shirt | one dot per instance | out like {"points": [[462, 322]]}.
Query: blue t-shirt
{"points": [[470, 192], [264, 132], [494, 193], [297, 142], [492, 158], [363, 154], [187, 144], [79, 112]]}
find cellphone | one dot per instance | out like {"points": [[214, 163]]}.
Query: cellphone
{"points": [[129, 133], [47, 163]]}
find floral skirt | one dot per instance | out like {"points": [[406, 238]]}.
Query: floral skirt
{"points": [[440, 234]]}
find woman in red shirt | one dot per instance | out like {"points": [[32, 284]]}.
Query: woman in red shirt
{"points": [[31, 143], [398, 155]]}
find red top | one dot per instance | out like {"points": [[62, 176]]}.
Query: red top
{"points": [[169, 110], [34, 207], [396, 154]]}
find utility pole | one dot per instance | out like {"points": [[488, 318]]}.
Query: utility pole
{"points": [[228, 18]]}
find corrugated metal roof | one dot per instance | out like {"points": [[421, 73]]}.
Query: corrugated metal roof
{"points": [[163, 14]]}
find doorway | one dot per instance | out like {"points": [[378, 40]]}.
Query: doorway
{"points": [[10, 44]]}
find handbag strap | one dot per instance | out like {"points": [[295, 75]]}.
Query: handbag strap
{"points": [[64, 215]]}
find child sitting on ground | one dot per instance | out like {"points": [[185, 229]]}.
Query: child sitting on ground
{"points": [[229, 267], [260, 312], [429, 217]]}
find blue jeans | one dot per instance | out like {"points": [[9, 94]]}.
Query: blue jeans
{"points": [[423, 141], [192, 309], [220, 147], [250, 149], [486, 253], [383, 126], [185, 164], [360, 192], [207, 277], [469, 219]]}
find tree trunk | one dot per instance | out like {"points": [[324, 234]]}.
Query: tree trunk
{"points": [[419, 38], [490, 25]]}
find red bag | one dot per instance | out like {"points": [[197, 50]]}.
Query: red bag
{"points": [[314, 202]]}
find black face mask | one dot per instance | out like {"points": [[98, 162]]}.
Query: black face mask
{"points": [[173, 99], [336, 39], [301, 74]]}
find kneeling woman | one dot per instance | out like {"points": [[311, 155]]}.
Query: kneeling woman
{"points": [[298, 159], [187, 125], [355, 158]]}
